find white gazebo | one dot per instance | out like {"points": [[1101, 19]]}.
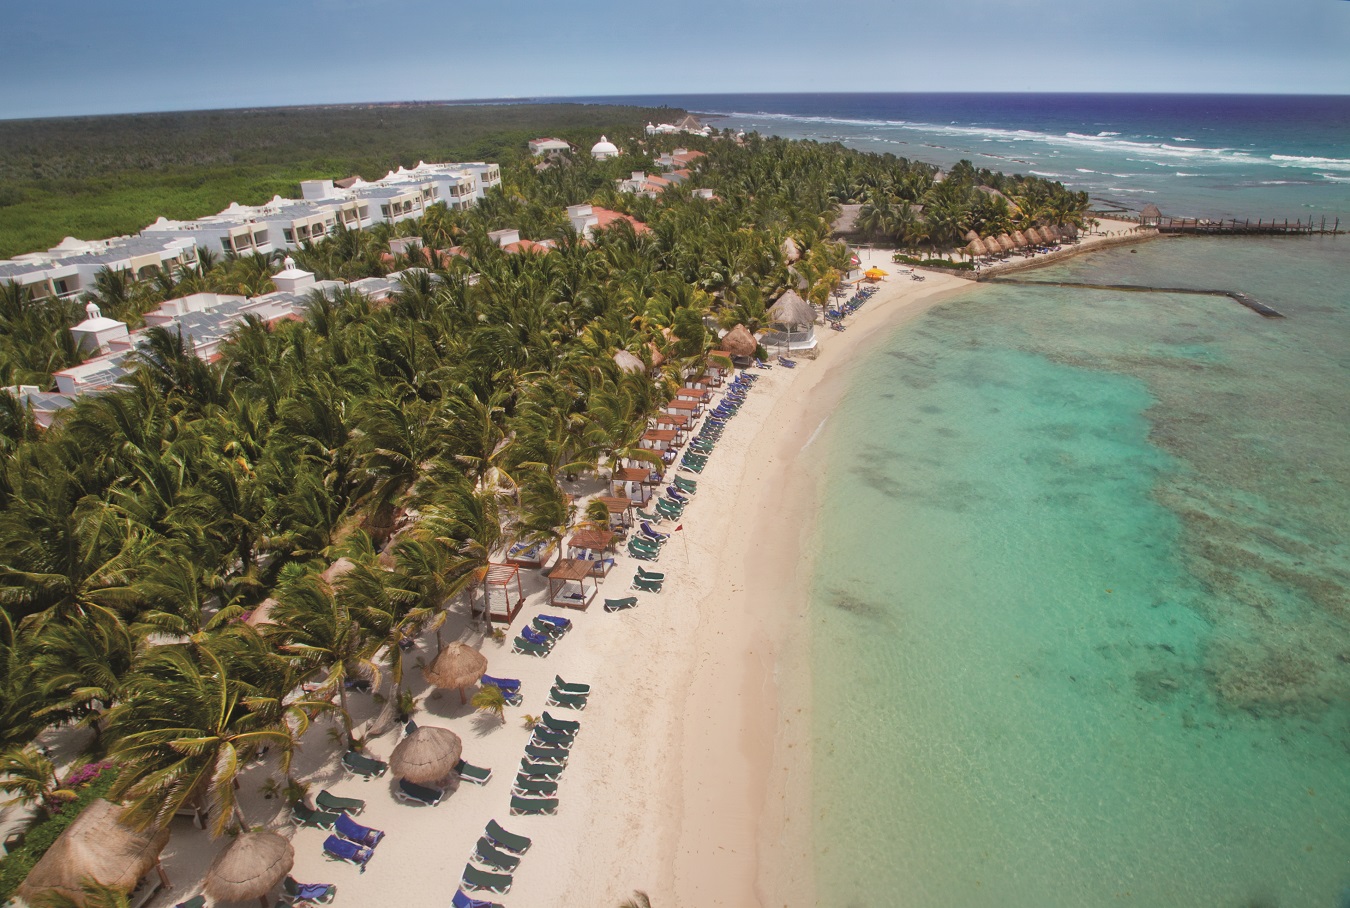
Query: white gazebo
{"points": [[792, 325], [604, 150]]}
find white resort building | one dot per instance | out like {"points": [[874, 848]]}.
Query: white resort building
{"points": [[604, 150], [69, 268], [546, 146]]}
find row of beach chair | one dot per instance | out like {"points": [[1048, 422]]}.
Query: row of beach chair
{"points": [[495, 858], [539, 638]]}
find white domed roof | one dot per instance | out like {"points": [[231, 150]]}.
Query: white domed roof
{"points": [[604, 147]]}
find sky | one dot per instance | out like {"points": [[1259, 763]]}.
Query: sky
{"points": [[68, 57]]}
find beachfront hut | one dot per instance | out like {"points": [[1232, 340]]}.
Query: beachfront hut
{"points": [[249, 867], [427, 756], [1019, 238], [1051, 234], [1150, 216], [503, 594], [1069, 232], [97, 846], [456, 667], [971, 236], [571, 583], [739, 342], [976, 248], [1034, 236], [591, 545]]}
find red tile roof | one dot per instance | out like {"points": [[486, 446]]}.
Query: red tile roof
{"points": [[604, 217]]}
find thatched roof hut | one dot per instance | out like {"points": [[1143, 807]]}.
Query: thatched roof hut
{"points": [[790, 250], [249, 867], [97, 846], [1069, 231], [847, 222], [658, 358], [1050, 233], [1150, 214], [975, 248], [1033, 236], [1019, 238], [627, 362], [1006, 242], [971, 236], [792, 310], [740, 342], [426, 756], [456, 667]]}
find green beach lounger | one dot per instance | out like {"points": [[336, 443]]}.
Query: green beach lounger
{"points": [[329, 801], [565, 701], [507, 840], [535, 788], [526, 648], [540, 753], [688, 486], [549, 738], [474, 878], [578, 689], [565, 726], [646, 585], [364, 766], [540, 770], [304, 815], [470, 773], [488, 855], [543, 807], [197, 901], [650, 575], [616, 605]]}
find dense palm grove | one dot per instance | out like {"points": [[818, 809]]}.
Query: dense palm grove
{"points": [[414, 438]]}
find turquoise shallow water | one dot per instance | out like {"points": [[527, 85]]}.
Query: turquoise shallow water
{"points": [[1081, 611]]}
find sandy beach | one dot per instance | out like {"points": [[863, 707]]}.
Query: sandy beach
{"points": [[690, 778]]}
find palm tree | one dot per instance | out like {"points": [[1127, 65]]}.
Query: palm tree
{"points": [[490, 699], [185, 729], [30, 776], [639, 900]]}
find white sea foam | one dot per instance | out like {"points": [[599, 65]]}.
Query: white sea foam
{"points": [[1052, 176], [1291, 160], [1181, 139], [1333, 178], [1180, 174]]}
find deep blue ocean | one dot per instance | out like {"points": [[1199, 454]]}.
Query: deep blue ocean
{"points": [[1242, 156]]}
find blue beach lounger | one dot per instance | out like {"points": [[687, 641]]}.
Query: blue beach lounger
{"points": [[462, 900], [342, 850], [353, 831]]}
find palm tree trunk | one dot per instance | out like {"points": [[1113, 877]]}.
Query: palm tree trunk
{"points": [[346, 714]]}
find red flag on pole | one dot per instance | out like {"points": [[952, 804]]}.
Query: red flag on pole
{"points": [[678, 528]]}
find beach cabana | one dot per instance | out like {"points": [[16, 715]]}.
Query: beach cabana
{"points": [[683, 406], [1069, 232], [1150, 216], [530, 553], [1005, 242], [250, 867], [456, 667], [427, 756], [502, 592], [1050, 234], [591, 545], [971, 236], [571, 584], [620, 510], [634, 483], [976, 248], [1034, 236], [874, 274], [991, 243], [99, 847], [1020, 239]]}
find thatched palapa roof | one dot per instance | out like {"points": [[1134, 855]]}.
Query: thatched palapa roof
{"points": [[627, 362], [790, 250], [740, 342], [847, 220], [1033, 235], [98, 846], [456, 667], [249, 867], [1006, 242], [976, 247], [971, 235], [1019, 238], [1150, 211], [792, 310], [427, 755]]}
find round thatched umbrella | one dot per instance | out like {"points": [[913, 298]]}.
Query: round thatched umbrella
{"points": [[456, 667], [97, 846], [790, 250], [1019, 238], [1150, 214], [427, 755], [1034, 236], [249, 867], [1069, 231], [337, 569], [1006, 242], [971, 236], [1050, 233], [976, 248], [991, 243], [627, 362], [740, 342]]}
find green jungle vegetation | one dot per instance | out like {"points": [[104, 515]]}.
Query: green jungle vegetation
{"points": [[93, 177], [414, 439]]}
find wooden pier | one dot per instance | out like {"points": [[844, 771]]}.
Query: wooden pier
{"points": [[1251, 303], [1245, 227]]}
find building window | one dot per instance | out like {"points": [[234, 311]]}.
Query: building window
{"points": [[363, 212], [288, 234], [260, 237], [384, 210], [226, 245]]}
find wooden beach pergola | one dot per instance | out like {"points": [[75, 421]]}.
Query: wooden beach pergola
{"points": [[571, 584], [620, 510], [502, 593], [590, 545]]}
